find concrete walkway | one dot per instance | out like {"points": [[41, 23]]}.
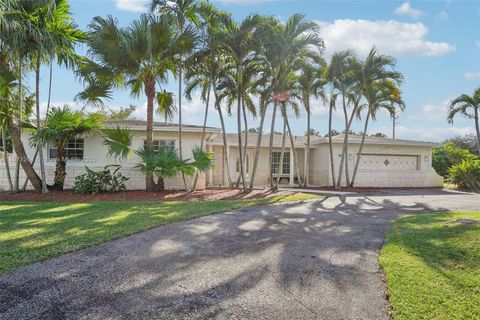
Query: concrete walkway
{"points": [[310, 260]]}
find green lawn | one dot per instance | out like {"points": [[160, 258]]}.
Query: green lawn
{"points": [[31, 232], [432, 265]]}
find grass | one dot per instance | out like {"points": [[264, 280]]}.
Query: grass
{"points": [[432, 265], [31, 232]]}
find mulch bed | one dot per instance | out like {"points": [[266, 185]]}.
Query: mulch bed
{"points": [[363, 189], [138, 195]]}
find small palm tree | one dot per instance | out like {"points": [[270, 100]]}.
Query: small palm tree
{"points": [[60, 126], [166, 162], [468, 106]]}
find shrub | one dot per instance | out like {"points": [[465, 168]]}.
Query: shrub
{"points": [[100, 181], [466, 175], [444, 157]]}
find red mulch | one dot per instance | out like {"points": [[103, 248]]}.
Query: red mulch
{"points": [[364, 189], [137, 195]]}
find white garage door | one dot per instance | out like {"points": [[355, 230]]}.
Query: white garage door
{"points": [[392, 162]]}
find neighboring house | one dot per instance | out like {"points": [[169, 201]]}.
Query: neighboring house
{"points": [[384, 162]]}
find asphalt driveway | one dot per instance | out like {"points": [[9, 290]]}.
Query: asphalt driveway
{"points": [[310, 260]]}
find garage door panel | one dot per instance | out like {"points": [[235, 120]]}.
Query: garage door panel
{"points": [[388, 162]]}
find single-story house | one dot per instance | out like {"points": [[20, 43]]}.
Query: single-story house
{"points": [[384, 162]]}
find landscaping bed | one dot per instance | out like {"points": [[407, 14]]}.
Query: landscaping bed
{"points": [[432, 266], [140, 195]]}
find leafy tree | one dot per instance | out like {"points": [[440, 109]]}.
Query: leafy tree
{"points": [[444, 157], [466, 175], [60, 126], [313, 132], [468, 142]]}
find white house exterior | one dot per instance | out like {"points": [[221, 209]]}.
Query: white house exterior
{"points": [[384, 162]]}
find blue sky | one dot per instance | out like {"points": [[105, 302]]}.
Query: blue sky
{"points": [[436, 43]]}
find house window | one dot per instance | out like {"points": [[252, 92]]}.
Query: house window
{"points": [[73, 150], [276, 162], [160, 143]]}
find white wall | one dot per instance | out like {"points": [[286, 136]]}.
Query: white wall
{"points": [[96, 157], [379, 174]]}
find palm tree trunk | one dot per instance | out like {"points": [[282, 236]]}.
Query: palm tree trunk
{"points": [[344, 147], [224, 137], [5, 159], [180, 149], [282, 155], [245, 145], [355, 170], [239, 129], [330, 143], [151, 186], [294, 153], [49, 88], [347, 135], [306, 170], [39, 143], [20, 112], [270, 146], [477, 128], [394, 122], [22, 156], [60, 170], [25, 183], [203, 135], [259, 143]]}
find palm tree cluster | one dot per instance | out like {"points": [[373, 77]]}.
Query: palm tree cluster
{"points": [[258, 67]]}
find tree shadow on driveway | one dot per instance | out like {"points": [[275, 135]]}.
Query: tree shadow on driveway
{"points": [[302, 260]]}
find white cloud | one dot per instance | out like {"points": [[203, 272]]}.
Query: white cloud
{"points": [[437, 134], [443, 15], [390, 37], [406, 9], [132, 5], [472, 76], [432, 112]]}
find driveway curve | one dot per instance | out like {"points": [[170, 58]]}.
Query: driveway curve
{"points": [[304, 260]]}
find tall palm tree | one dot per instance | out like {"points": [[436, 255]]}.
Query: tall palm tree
{"points": [[15, 27], [186, 14], [334, 75], [398, 105], [237, 43], [53, 35], [348, 87], [311, 83], [282, 45], [141, 55], [215, 62], [468, 106], [60, 126], [378, 80]]}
